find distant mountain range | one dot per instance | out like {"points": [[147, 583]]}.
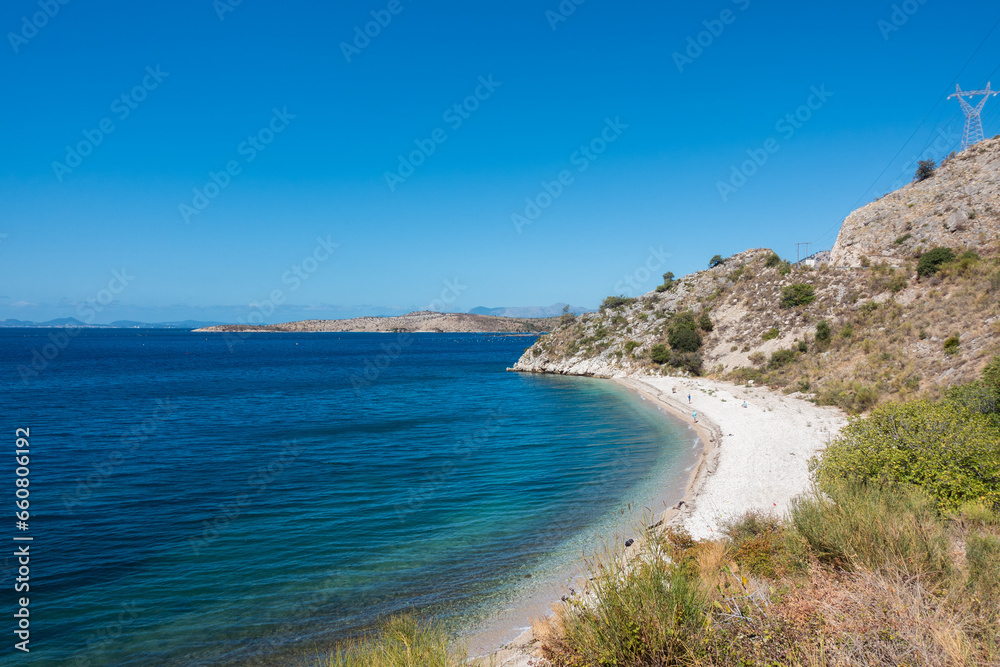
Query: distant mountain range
{"points": [[119, 324], [555, 310]]}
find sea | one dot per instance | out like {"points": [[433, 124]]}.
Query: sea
{"points": [[216, 499]]}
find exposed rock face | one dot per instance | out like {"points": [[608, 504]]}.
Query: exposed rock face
{"points": [[958, 207]]}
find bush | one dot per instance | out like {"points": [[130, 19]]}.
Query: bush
{"points": [[402, 640], [705, 322], [683, 335], [797, 295], [659, 354], [949, 451], [897, 284], [686, 361], [617, 302], [903, 239], [781, 358], [857, 525], [823, 332], [715, 261], [951, 345], [925, 170], [772, 260], [771, 334], [668, 282], [931, 261], [631, 345]]}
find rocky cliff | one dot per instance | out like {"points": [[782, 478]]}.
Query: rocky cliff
{"points": [[957, 207]]}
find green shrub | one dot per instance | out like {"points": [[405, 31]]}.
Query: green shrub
{"points": [[897, 284], [781, 358], [668, 282], [771, 334], [823, 332], [785, 268], [617, 302], [931, 261], [951, 345], [799, 294], [715, 261], [631, 345], [903, 239], [683, 334], [803, 346], [772, 260], [755, 543], [946, 449], [705, 322], [687, 361], [659, 354]]}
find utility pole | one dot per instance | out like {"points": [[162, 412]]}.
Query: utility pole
{"points": [[973, 119], [798, 255]]}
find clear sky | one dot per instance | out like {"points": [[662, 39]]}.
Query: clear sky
{"points": [[289, 122]]}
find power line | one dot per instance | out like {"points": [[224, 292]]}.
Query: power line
{"points": [[906, 143]]}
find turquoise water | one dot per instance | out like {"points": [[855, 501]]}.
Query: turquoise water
{"points": [[203, 501]]}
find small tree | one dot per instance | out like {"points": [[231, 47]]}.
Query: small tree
{"points": [[925, 170], [715, 261], [772, 260]]}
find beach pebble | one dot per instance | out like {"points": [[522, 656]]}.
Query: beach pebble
{"points": [[629, 543]]}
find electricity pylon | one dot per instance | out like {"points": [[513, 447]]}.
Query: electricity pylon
{"points": [[973, 120]]}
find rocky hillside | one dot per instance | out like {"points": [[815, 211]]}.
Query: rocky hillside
{"points": [[958, 207], [419, 322], [859, 330]]}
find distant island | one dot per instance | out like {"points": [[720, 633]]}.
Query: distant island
{"points": [[419, 322]]}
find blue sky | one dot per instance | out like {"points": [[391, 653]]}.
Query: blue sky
{"points": [[593, 93]]}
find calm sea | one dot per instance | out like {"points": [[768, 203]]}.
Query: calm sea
{"points": [[201, 499]]}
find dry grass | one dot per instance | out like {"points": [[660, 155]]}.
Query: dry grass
{"points": [[764, 597]]}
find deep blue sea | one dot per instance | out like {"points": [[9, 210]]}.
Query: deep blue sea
{"points": [[199, 499]]}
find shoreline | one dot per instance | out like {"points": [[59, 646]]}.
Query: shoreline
{"points": [[753, 458]]}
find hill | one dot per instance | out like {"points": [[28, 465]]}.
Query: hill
{"points": [[886, 331], [419, 322]]}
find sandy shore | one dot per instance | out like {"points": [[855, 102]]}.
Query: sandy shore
{"points": [[754, 458]]}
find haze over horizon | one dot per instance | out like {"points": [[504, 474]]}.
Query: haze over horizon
{"points": [[217, 159]]}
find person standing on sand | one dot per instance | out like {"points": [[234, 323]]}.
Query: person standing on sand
{"points": [[689, 399], [695, 415], [744, 404]]}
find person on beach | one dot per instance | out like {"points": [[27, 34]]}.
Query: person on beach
{"points": [[695, 415], [744, 404], [689, 399]]}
